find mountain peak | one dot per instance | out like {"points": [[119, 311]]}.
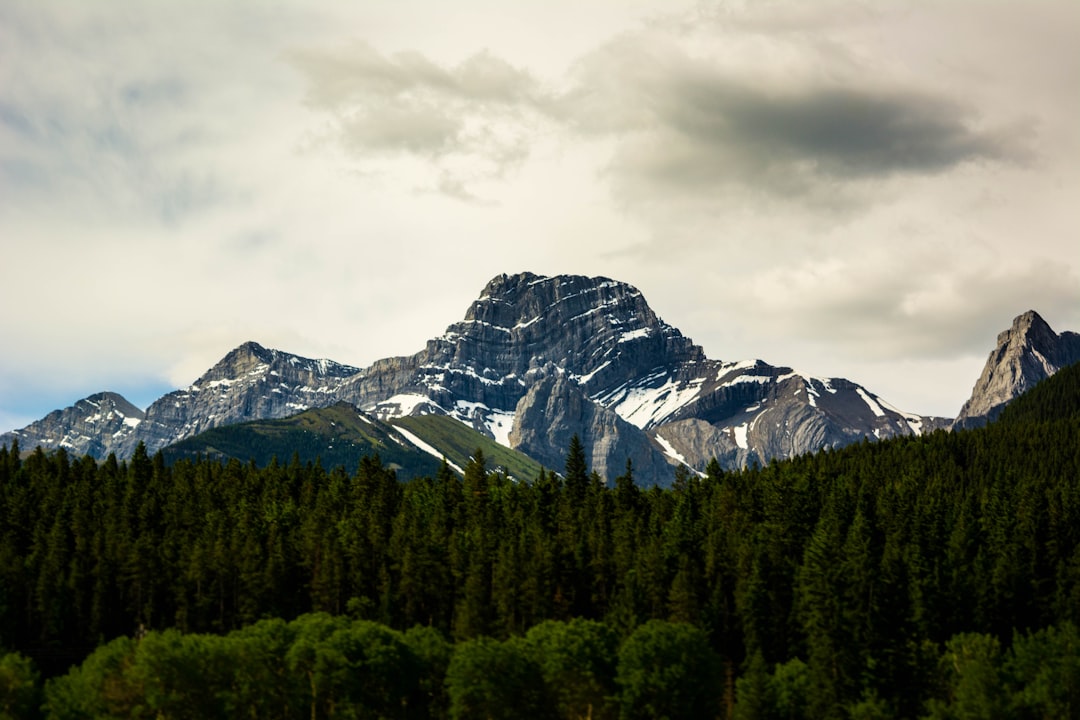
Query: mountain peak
{"points": [[1030, 327], [90, 426], [581, 325], [1029, 351]]}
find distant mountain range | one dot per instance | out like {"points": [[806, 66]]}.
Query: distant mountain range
{"points": [[535, 361]]}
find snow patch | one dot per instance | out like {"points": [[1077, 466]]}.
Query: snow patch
{"points": [[583, 379], [635, 334], [648, 406], [485, 324], [670, 450], [728, 368], [741, 379], [870, 402], [739, 431], [914, 422], [399, 405], [498, 422], [425, 447]]}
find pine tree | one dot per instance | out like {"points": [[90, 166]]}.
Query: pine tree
{"points": [[576, 471]]}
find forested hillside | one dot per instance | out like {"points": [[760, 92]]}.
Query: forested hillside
{"points": [[935, 576]]}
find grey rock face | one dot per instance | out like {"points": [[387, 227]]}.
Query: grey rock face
{"points": [[601, 333], [249, 383], [1029, 351], [555, 409], [96, 425], [754, 412]]}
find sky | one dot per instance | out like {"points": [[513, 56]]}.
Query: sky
{"points": [[853, 189]]}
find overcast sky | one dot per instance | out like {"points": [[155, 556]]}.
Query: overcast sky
{"points": [[864, 190]]}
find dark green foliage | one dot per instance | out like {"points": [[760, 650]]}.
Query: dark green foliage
{"points": [[936, 575], [576, 471], [492, 679], [315, 666], [577, 662], [668, 670], [19, 690]]}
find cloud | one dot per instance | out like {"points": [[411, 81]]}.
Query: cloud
{"points": [[470, 121], [921, 301], [696, 117], [690, 125], [95, 114]]}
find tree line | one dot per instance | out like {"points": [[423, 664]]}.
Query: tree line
{"points": [[908, 578]]}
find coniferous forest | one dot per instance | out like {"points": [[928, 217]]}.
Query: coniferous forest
{"points": [[935, 577]]}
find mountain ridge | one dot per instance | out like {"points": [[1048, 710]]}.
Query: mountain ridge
{"points": [[535, 360]]}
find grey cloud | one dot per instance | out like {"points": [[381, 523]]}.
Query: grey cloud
{"points": [[420, 128], [405, 103], [688, 125], [684, 125], [840, 132]]}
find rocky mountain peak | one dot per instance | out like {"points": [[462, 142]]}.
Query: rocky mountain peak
{"points": [[240, 361], [1029, 329], [1028, 352], [251, 359], [588, 327], [90, 426]]}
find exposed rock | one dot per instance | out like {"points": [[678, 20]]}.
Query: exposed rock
{"points": [[1026, 353], [96, 425], [250, 383], [695, 442], [555, 409]]}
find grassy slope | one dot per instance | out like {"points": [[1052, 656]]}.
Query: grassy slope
{"points": [[459, 442], [339, 435]]}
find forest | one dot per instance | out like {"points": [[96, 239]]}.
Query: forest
{"points": [[934, 576]]}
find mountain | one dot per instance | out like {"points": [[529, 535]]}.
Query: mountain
{"points": [[249, 383], [341, 435], [537, 360], [604, 342], [1025, 354], [92, 426]]}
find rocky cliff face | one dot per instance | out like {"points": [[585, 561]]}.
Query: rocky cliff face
{"points": [[600, 333], [555, 409], [251, 382], [1029, 351], [530, 343], [752, 412], [95, 426]]}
